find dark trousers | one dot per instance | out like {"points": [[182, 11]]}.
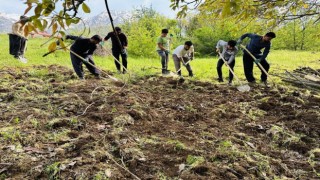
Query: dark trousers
{"points": [[248, 63], [124, 57], [17, 45], [164, 59], [77, 66], [219, 67]]}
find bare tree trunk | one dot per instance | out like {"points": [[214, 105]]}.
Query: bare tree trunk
{"points": [[302, 38], [294, 36]]}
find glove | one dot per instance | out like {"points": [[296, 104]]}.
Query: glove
{"points": [[239, 42], [86, 59], [67, 37], [124, 51], [257, 61], [217, 50]]}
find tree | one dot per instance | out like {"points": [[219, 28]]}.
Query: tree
{"points": [[143, 29], [46, 16], [269, 10]]}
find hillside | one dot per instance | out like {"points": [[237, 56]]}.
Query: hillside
{"points": [[6, 21]]}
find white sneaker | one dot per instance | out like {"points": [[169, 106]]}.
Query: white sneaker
{"points": [[22, 59]]}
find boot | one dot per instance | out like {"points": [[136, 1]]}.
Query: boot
{"points": [[190, 74], [165, 71]]}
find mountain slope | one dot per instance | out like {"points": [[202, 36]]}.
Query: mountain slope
{"points": [[6, 21]]}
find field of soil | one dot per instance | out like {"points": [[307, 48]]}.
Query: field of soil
{"points": [[53, 126]]}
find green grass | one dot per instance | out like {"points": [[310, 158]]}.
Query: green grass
{"points": [[204, 68]]}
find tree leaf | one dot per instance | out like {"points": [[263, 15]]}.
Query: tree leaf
{"points": [[38, 9], [85, 8], [54, 28], [62, 43], [37, 24], [52, 47], [48, 9], [26, 31], [44, 24], [60, 21]]}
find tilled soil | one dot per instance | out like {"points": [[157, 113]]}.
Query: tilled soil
{"points": [[53, 126]]}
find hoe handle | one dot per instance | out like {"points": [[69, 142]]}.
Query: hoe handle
{"points": [[220, 55], [254, 58]]}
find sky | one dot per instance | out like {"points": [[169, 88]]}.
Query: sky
{"points": [[97, 6]]}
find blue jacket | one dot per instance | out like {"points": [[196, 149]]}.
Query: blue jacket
{"points": [[256, 44]]}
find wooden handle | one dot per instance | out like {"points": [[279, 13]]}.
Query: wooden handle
{"points": [[254, 58]]}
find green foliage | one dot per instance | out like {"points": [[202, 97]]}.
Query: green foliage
{"points": [[298, 35], [177, 145], [144, 29], [271, 11], [53, 171], [194, 161], [10, 134]]}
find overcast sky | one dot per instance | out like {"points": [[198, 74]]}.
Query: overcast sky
{"points": [[97, 6]]}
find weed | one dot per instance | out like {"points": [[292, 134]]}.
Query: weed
{"points": [[35, 123], [3, 177], [74, 121], [100, 176], [10, 134], [228, 149], [39, 73], [161, 176], [194, 161], [114, 110], [177, 145], [313, 160], [57, 136], [53, 171], [16, 120], [279, 134]]}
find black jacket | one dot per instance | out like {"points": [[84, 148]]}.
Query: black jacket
{"points": [[115, 44], [83, 46]]}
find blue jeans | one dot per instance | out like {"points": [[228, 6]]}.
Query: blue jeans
{"points": [[164, 58]]}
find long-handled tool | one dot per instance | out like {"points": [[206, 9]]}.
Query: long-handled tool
{"points": [[109, 52], [184, 64], [254, 58], [167, 55], [242, 87], [109, 76]]}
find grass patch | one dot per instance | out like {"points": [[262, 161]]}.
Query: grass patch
{"points": [[204, 68]]}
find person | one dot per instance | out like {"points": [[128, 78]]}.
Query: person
{"points": [[163, 50], [183, 53], [229, 51], [84, 47], [256, 44], [18, 39], [119, 49]]}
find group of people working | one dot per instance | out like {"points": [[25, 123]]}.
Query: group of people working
{"points": [[227, 52], [82, 50]]}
